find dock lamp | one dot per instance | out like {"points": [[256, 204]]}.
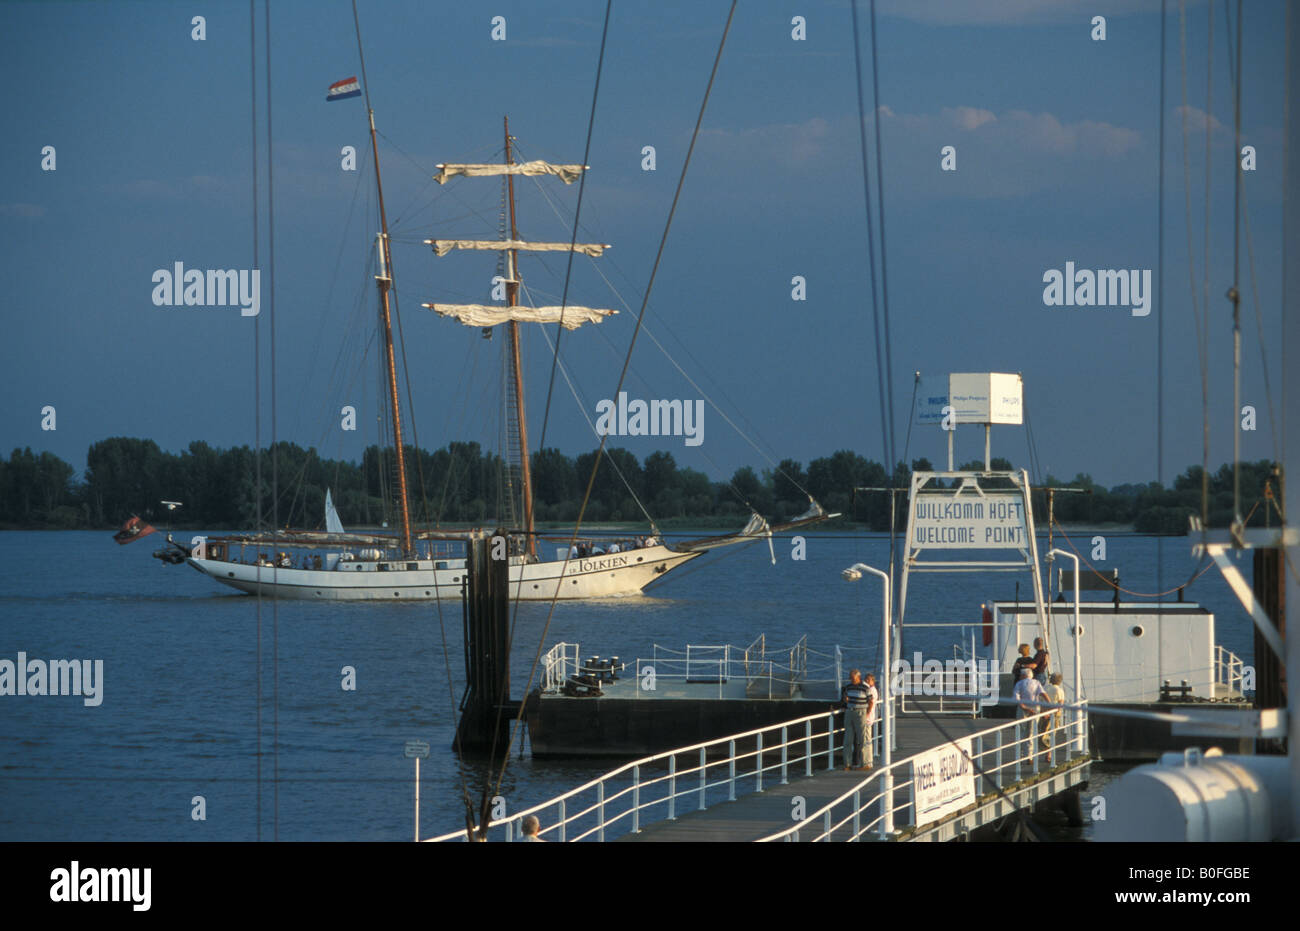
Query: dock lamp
{"points": [[1078, 660], [417, 750], [853, 574], [1077, 630]]}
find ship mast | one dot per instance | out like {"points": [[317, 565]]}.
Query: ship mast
{"points": [[385, 281], [512, 300]]}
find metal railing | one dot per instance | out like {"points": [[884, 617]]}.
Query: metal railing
{"points": [[765, 673], [559, 663], [662, 785], [1002, 755], [958, 691], [1229, 669], [772, 674]]}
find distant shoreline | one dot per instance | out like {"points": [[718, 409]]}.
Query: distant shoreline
{"points": [[672, 527]]}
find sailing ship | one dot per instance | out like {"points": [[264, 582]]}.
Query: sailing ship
{"points": [[430, 564]]}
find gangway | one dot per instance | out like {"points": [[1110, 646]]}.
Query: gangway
{"points": [[743, 787]]}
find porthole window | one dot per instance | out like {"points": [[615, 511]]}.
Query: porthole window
{"points": [[1137, 630]]}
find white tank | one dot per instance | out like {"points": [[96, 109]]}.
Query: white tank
{"points": [[1195, 797], [372, 555]]}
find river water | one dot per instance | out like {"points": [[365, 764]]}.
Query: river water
{"points": [[176, 730]]}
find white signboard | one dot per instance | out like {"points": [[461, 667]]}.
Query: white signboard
{"points": [[982, 397], [944, 780], [992, 521]]}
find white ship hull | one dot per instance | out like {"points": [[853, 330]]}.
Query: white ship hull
{"points": [[604, 576]]}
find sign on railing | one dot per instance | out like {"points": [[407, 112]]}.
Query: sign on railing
{"points": [[944, 780]]}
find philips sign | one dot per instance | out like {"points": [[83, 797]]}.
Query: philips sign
{"points": [[985, 397]]}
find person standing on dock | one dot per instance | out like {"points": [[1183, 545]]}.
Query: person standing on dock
{"points": [[858, 699], [1042, 659], [1055, 694], [530, 828], [1023, 661], [1029, 691]]}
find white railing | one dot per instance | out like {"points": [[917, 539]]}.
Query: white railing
{"points": [[1002, 756], [559, 663], [958, 690], [658, 786], [1229, 669], [773, 674]]}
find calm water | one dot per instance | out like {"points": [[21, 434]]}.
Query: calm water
{"points": [[179, 716]]}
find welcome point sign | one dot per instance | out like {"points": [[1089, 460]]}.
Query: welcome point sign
{"points": [[966, 519]]}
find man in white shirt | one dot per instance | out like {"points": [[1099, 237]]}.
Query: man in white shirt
{"points": [[1027, 691], [530, 829]]}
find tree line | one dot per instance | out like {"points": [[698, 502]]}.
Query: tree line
{"points": [[463, 483]]}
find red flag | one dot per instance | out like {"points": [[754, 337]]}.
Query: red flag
{"points": [[133, 529]]}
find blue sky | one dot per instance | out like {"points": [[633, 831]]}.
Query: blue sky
{"points": [[1056, 139]]}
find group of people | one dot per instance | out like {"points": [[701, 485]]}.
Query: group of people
{"points": [[1035, 685], [586, 549], [285, 561], [858, 699]]}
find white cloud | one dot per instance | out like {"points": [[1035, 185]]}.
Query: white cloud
{"points": [[967, 117], [1008, 12], [1196, 120], [1009, 153]]}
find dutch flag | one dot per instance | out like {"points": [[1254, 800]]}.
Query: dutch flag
{"points": [[341, 90]]}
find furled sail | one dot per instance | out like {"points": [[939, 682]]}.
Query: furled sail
{"points": [[443, 246], [756, 529], [481, 315], [332, 522], [566, 173]]}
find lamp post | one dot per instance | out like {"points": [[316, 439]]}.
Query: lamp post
{"points": [[1078, 660], [417, 750], [853, 574]]}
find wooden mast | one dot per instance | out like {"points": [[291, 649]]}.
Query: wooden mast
{"points": [[385, 282], [512, 299]]}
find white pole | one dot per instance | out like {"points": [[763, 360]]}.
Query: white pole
{"points": [[417, 799], [1077, 659], [886, 720]]}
